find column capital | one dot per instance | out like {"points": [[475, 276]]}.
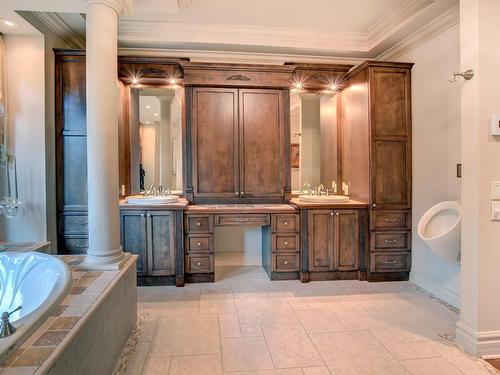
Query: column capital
{"points": [[120, 6], [167, 97]]}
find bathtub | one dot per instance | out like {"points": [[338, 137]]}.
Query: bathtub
{"points": [[37, 282]]}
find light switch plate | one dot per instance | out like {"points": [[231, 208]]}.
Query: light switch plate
{"points": [[495, 125], [495, 190], [495, 211]]}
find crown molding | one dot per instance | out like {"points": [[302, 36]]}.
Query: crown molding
{"points": [[57, 25], [440, 24]]}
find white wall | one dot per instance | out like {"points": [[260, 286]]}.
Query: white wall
{"points": [[436, 151], [25, 60]]}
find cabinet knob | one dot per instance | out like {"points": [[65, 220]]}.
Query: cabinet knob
{"points": [[331, 213], [149, 215], [337, 213], [199, 264], [198, 224], [198, 244], [142, 215], [285, 223], [236, 193], [285, 262], [374, 205], [285, 243]]}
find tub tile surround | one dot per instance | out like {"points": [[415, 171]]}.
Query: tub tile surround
{"points": [[273, 329], [51, 349]]}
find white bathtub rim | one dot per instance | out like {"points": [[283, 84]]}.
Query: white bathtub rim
{"points": [[41, 313]]}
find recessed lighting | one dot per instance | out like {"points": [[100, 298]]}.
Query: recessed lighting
{"points": [[172, 81], [9, 23], [148, 107], [334, 87], [147, 122], [156, 114], [135, 81]]}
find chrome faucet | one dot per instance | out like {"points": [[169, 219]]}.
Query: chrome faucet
{"points": [[320, 189], [306, 186], [153, 189], [6, 328]]}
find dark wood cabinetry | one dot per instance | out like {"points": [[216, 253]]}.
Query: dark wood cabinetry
{"points": [[376, 116], [333, 240], [154, 236], [71, 153], [238, 144]]}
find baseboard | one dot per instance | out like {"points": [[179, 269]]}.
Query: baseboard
{"points": [[434, 287], [480, 344]]}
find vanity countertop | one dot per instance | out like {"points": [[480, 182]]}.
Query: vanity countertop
{"points": [[241, 208], [181, 204], [350, 204]]}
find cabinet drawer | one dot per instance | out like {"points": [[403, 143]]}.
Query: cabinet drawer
{"points": [[74, 224], [286, 262], [390, 220], [75, 245], [202, 263], [242, 219], [288, 243], [285, 223], [199, 243], [390, 262], [199, 224], [390, 241]]}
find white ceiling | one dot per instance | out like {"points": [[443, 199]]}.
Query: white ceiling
{"points": [[360, 29]]}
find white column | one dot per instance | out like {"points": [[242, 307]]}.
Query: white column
{"points": [[478, 330], [166, 138], [105, 251]]}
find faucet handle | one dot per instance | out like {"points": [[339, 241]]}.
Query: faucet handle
{"points": [[16, 309], [334, 186]]}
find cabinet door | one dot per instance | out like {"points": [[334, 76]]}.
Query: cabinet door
{"points": [[261, 143], [321, 240], [215, 142], [346, 229], [134, 238], [161, 243], [391, 174]]}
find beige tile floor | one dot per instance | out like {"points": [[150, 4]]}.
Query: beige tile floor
{"points": [[244, 324]]}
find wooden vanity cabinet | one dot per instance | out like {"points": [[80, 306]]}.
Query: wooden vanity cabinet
{"points": [[237, 144], [376, 160], [152, 235], [333, 240]]}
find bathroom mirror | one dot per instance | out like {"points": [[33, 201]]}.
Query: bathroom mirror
{"points": [[155, 139], [313, 143]]}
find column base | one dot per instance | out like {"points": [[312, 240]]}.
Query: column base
{"points": [[109, 263], [480, 344]]}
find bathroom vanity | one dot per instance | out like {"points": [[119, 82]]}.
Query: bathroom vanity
{"points": [[235, 129]]}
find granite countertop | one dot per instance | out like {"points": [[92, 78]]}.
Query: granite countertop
{"points": [[350, 204], [241, 208], [181, 204]]}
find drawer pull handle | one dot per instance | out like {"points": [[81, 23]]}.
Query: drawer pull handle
{"points": [[80, 246], [391, 220], [285, 262], [199, 264], [198, 224], [241, 220], [149, 215], [390, 261], [390, 241], [198, 244], [285, 223], [285, 243], [81, 222]]}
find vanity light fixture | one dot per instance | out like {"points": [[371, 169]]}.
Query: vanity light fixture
{"points": [[333, 87], [135, 81], [172, 81], [9, 23], [156, 114]]}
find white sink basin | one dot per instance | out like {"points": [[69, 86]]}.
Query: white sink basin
{"points": [[152, 199], [323, 198]]}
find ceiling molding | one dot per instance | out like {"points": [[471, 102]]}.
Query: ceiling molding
{"points": [[133, 32], [429, 31], [60, 28], [237, 57]]}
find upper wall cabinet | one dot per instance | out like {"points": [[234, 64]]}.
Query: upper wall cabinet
{"points": [[237, 139]]}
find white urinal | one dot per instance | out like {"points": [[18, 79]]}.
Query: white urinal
{"points": [[439, 228]]}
